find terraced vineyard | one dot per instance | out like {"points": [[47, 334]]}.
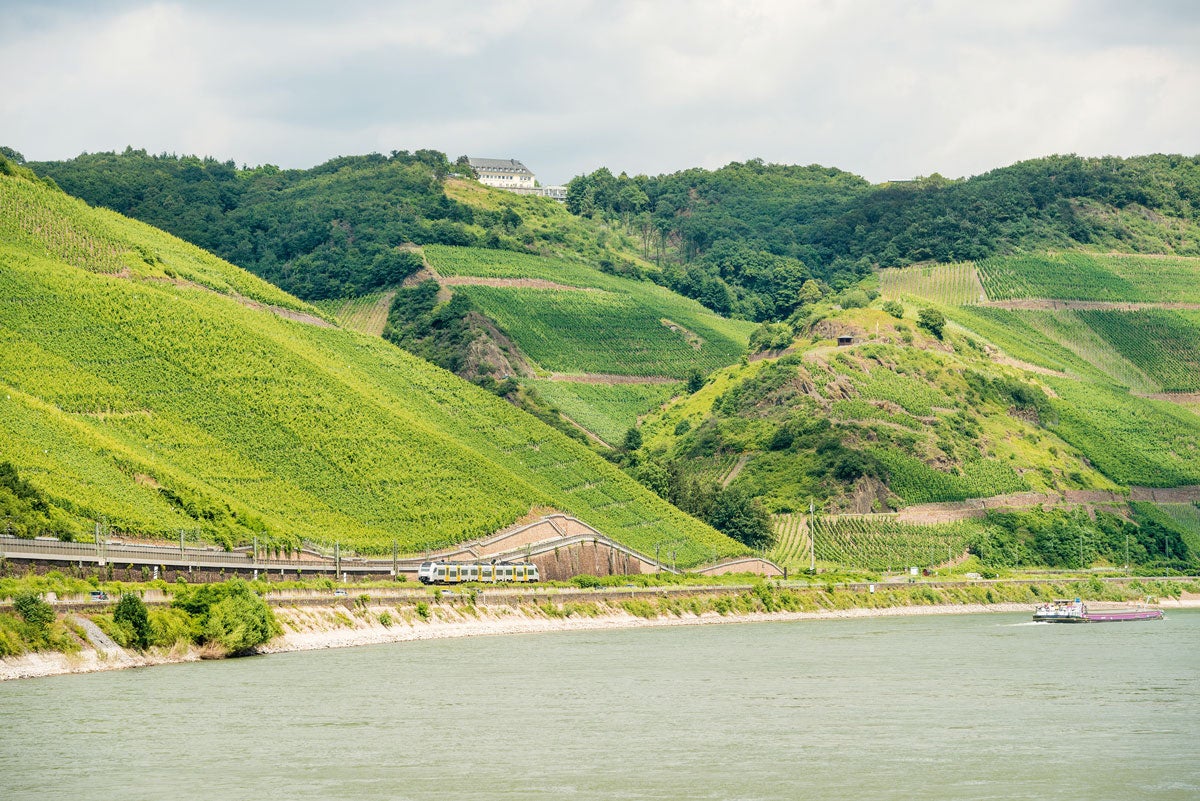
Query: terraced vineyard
{"points": [[366, 314], [917, 482], [629, 328], [791, 541], [946, 284], [879, 542], [1069, 330], [607, 410], [165, 406], [914, 396], [1092, 277], [599, 332], [450, 261], [1163, 345], [1018, 336], [1187, 517], [1134, 441]]}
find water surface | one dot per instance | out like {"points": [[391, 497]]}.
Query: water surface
{"points": [[961, 707]]}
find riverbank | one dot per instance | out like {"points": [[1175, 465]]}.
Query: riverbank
{"points": [[315, 628]]}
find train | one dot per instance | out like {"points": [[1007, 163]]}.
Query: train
{"points": [[461, 572]]}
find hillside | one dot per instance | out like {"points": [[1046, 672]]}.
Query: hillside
{"points": [[1026, 398], [151, 385], [735, 237], [336, 230]]}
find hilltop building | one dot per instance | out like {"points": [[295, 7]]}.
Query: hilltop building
{"points": [[513, 176], [503, 173]]}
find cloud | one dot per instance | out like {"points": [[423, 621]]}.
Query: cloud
{"points": [[883, 89]]}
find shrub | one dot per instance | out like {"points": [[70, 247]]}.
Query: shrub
{"points": [[423, 610], [34, 611], [640, 608], [131, 611], [894, 308], [169, 627], [932, 321], [240, 622]]}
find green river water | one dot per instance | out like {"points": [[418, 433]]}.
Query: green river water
{"points": [[945, 707]]}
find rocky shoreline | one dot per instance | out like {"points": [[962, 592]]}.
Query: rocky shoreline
{"points": [[317, 628]]}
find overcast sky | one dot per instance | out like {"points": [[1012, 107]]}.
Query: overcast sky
{"points": [[885, 89]]}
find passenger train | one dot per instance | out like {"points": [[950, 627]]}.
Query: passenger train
{"points": [[461, 572]]}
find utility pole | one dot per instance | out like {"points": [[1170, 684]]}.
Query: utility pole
{"points": [[812, 537]]}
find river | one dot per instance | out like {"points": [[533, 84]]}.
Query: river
{"points": [[945, 707]]}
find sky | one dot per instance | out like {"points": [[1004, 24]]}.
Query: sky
{"points": [[886, 89]]}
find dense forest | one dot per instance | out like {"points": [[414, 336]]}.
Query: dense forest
{"points": [[744, 238]]}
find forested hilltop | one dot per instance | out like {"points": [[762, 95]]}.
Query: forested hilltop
{"points": [[741, 239], [337, 230]]}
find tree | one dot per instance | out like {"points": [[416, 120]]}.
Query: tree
{"points": [[131, 611], [633, 439], [736, 514], [695, 381], [894, 308], [932, 321]]}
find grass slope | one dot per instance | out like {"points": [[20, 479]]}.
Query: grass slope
{"points": [[166, 404]]}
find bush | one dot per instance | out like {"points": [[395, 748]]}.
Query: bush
{"points": [[894, 308], [932, 321], [240, 622], [34, 611], [228, 614], [168, 627], [131, 611]]}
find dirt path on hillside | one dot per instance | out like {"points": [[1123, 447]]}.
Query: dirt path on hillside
{"points": [[737, 469], [1020, 365], [1044, 304], [1182, 398]]}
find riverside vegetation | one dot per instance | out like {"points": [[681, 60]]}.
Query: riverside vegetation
{"points": [[231, 618], [223, 618]]}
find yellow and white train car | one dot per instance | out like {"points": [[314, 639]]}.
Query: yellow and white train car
{"points": [[462, 572]]}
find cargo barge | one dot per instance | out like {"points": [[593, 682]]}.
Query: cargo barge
{"points": [[1076, 611]]}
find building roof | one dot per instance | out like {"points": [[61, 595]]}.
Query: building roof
{"points": [[499, 164]]}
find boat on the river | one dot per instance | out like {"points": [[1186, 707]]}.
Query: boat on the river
{"points": [[1062, 610]]}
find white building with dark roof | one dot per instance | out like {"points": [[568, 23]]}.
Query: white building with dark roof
{"points": [[513, 176], [503, 173]]}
